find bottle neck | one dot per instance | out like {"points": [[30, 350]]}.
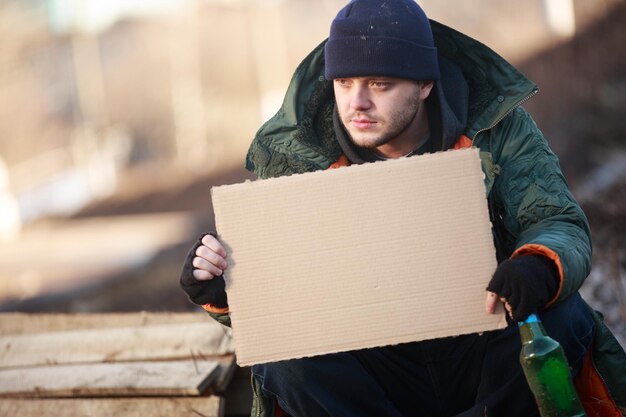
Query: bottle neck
{"points": [[531, 328]]}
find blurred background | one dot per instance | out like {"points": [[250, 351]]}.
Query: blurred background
{"points": [[117, 116]]}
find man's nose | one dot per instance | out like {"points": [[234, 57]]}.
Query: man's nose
{"points": [[360, 99]]}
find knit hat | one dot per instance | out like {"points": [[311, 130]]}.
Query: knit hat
{"points": [[381, 37]]}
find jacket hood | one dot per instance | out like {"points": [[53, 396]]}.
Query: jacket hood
{"points": [[478, 88]]}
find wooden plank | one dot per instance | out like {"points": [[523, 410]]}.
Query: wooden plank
{"points": [[23, 323], [166, 341], [225, 371], [119, 407], [109, 379]]}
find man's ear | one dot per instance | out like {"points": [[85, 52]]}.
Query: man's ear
{"points": [[425, 89]]}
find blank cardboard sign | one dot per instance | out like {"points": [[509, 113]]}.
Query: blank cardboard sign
{"points": [[357, 257]]}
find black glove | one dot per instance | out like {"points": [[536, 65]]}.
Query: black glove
{"points": [[527, 282], [202, 292]]}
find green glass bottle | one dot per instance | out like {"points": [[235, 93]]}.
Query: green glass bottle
{"points": [[547, 371]]}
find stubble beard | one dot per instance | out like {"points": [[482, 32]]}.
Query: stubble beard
{"points": [[397, 124]]}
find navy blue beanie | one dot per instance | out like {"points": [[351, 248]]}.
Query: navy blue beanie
{"points": [[381, 37]]}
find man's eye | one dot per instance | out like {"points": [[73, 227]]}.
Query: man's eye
{"points": [[342, 83], [380, 84]]}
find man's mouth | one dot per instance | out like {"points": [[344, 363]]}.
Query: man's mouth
{"points": [[362, 123]]}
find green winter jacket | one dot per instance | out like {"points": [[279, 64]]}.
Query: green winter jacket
{"points": [[531, 206]]}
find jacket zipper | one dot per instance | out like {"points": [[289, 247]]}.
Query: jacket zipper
{"points": [[519, 103], [256, 397]]}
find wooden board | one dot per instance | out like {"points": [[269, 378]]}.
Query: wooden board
{"points": [[110, 379], [22, 323], [165, 341], [225, 370], [122, 407]]}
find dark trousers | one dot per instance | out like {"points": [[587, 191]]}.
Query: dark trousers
{"points": [[470, 375]]}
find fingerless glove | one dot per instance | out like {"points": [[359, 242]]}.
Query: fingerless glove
{"points": [[527, 282], [202, 292]]}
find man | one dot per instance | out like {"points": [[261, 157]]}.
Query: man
{"points": [[388, 85]]}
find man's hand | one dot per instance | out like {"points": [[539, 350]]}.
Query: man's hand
{"points": [[524, 284], [210, 259], [201, 276], [491, 303]]}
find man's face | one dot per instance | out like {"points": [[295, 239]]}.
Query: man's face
{"points": [[382, 112]]}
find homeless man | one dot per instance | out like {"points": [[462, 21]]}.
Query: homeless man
{"points": [[390, 84]]}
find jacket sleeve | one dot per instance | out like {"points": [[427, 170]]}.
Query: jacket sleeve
{"points": [[537, 209]]}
